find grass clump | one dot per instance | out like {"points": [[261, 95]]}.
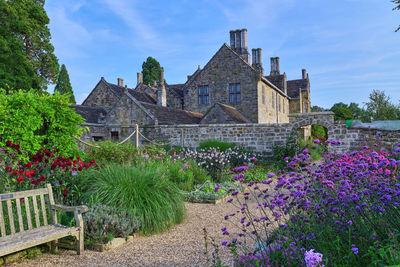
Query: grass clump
{"points": [[143, 190]]}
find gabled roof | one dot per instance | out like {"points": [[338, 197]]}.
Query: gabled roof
{"points": [[293, 87], [143, 87], [143, 97], [176, 89], [166, 115], [231, 113], [277, 80], [90, 114]]}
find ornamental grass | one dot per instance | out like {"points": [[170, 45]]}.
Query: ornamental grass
{"points": [[144, 190]]}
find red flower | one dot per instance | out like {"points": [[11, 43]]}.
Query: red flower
{"points": [[17, 147], [42, 178], [61, 182], [80, 168], [27, 173], [15, 173], [32, 171], [65, 192], [20, 179], [8, 143], [8, 169], [21, 172]]}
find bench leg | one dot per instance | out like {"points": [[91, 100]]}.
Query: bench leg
{"points": [[53, 246], [80, 246]]}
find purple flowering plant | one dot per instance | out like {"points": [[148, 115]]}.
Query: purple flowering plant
{"points": [[346, 209]]}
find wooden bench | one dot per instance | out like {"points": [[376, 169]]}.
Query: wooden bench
{"points": [[32, 233]]}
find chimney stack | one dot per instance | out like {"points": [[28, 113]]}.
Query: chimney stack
{"points": [[120, 82], [161, 91], [304, 73], [275, 66], [238, 40], [139, 78], [256, 62]]}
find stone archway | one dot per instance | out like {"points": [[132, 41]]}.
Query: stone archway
{"points": [[325, 119]]}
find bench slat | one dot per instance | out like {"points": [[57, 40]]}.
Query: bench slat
{"points": [[10, 216], [35, 210], [2, 227], [43, 209], [53, 213], [20, 221], [28, 213], [22, 194]]}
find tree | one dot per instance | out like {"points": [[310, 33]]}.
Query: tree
{"points": [[397, 7], [63, 84], [34, 119], [342, 111], [379, 107], [27, 57], [356, 111], [151, 70], [317, 109]]}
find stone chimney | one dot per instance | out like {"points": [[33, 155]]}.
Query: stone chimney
{"points": [[120, 82], [161, 91], [284, 83], [275, 66], [256, 61], [304, 73], [239, 43], [139, 78]]}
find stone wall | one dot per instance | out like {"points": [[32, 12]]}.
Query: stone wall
{"points": [[101, 96]]}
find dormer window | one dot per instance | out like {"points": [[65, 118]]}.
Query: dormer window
{"points": [[203, 94], [234, 93]]}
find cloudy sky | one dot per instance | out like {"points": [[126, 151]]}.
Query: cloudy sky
{"points": [[348, 47]]}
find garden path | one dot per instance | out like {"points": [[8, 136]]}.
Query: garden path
{"points": [[183, 245]]}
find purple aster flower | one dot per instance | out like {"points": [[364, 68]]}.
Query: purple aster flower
{"points": [[270, 175]]}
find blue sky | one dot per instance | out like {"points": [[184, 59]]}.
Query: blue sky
{"points": [[348, 47]]}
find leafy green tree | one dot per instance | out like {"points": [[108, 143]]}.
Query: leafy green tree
{"points": [[35, 119], [380, 108], [397, 7], [356, 111], [27, 57], [63, 84], [342, 111], [151, 71], [317, 109]]}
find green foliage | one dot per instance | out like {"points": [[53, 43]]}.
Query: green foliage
{"points": [[185, 174], [35, 120], [290, 149], [380, 107], [220, 145], [258, 173], [27, 57], [144, 190], [63, 85], [342, 112], [151, 71], [319, 132], [356, 111], [102, 221], [206, 191], [317, 109]]}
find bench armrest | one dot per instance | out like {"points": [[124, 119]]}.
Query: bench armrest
{"points": [[79, 209]]}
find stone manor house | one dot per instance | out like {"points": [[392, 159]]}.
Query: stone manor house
{"points": [[231, 88]]}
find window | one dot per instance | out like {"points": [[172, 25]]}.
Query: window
{"points": [[114, 136], [263, 94], [97, 138], [203, 94], [234, 93]]}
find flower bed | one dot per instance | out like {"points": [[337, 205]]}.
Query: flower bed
{"points": [[210, 192]]}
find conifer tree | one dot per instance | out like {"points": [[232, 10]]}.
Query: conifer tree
{"points": [[64, 85], [150, 69]]}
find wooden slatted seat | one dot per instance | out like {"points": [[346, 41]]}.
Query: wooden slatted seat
{"points": [[38, 232]]}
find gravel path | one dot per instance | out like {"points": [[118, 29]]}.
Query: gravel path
{"points": [[183, 245]]}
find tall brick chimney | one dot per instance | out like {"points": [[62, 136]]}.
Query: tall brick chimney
{"points": [[256, 61], [139, 78], [275, 66], [238, 42], [120, 82], [304, 73], [161, 91]]}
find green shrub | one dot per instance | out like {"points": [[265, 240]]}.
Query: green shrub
{"points": [[258, 173], [220, 145], [290, 149], [102, 222], [185, 174], [206, 191], [144, 190], [34, 119]]}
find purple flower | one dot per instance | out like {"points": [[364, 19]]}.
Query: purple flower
{"points": [[354, 249], [217, 188], [317, 141], [312, 258], [270, 175], [235, 193]]}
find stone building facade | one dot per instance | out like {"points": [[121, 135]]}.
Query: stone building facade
{"points": [[231, 88]]}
